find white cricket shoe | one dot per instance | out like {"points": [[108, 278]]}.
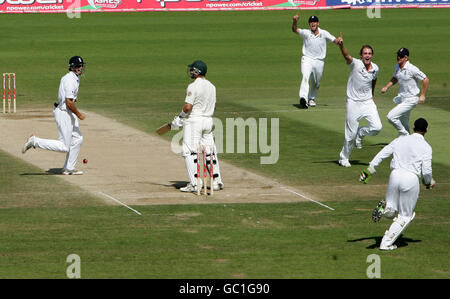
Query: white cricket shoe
{"points": [[29, 144], [389, 247], [345, 163], [189, 188], [312, 103], [217, 186], [71, 172]]}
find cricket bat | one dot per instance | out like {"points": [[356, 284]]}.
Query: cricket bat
{"points": [[164, 129]]}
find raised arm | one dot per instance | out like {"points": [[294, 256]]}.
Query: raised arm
{"points": [[340, 43], [294, 23]]}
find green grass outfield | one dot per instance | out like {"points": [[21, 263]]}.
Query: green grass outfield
{"points": [[136, 74]]}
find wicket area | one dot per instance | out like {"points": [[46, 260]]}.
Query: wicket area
{"points": [[205, 161], [13, 77]]}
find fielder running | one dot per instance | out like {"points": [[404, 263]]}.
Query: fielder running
{"points": [[196, 116], [360, 102], [314, 52], [407, 75], [411, 156], [66, 115]]}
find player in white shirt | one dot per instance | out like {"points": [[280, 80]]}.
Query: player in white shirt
{"points": [[314, 52], [66, 115], [407, 75], [411, 157], [360, 102], [196, 117]]}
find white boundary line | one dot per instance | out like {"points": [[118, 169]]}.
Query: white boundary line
{"points": [[119, 202], [284, 188]]}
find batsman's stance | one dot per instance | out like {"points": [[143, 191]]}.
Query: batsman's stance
{"points": [[411, 157], [66, 115], [196, 116]]}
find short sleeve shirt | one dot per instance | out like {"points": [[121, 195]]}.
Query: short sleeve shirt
{"points": [[68, 89], [359, 85], [315, 46], [408, 78], [201, 94]]}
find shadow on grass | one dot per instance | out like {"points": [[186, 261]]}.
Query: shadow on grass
{"points": [[51, 171], [353, 162], [400, 242], [300, 107]]}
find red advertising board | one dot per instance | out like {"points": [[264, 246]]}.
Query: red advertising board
{"points": [[79, 6], [43, 6]]}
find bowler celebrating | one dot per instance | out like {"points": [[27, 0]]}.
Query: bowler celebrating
{"points": [[360, 102]]}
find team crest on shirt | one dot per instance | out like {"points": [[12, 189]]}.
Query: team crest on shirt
{"points": [[366, 74]]}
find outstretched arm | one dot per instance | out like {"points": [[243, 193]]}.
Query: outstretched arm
{"points": [[366, 174]]}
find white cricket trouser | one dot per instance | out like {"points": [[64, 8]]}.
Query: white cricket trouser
{"points": [[355, 111], [401, 196], [399, 116], [198, 131], [402, 192], [312, 70], [69, 138]]}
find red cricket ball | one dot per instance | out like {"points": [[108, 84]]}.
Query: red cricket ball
{"points": [[85, 160]]}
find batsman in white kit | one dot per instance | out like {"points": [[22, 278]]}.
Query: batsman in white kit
{"points": [[360, 100], [196, 117], [314, 52], [407, 75], [411, 157], [66, 115]]}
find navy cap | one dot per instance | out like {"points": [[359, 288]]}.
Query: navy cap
{"points": [[76, 61], [402, 52], [313, 19]]}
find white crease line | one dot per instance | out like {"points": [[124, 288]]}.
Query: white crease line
{"points": [[307, 198], [119, 202]]}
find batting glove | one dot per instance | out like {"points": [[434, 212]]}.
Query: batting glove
{"points": [[366, 174], [176, 123]]}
